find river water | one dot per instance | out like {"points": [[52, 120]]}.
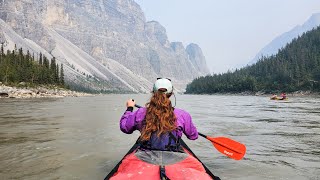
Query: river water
{"points": [[79, 138]]}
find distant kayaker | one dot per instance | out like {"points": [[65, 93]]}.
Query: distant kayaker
{"points": [[161, 127], [274, 96], [283, 96]]}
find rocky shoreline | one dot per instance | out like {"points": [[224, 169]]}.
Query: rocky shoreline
{"points": [[261, 93], [38, 92], [291, 94]]}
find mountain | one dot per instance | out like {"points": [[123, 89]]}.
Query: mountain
{"points": [[296, 67], [282, 40], [105, 45]]}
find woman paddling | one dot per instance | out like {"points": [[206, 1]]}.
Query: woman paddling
{"points": [[159, 154]]}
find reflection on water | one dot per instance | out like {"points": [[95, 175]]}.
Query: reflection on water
{"points": [[79, 138]]}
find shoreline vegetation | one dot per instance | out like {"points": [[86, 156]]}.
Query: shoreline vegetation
{"points": [[38, 92], [24, 75], [264, 94], [260, 93], [51, 91]]}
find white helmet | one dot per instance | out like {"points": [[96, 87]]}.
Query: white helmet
{"points": [[163, 83]]}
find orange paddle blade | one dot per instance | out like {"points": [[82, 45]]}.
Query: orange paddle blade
{"points": [[228, 147]]}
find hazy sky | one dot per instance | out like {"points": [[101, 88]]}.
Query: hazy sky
{"points": [[229, 32]]}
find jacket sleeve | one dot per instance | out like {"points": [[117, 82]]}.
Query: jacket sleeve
{"points": [[189, 129], [127, 122]]}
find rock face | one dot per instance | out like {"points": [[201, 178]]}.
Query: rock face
{"points": [[103, 44], [197, 58], [2, 38]]}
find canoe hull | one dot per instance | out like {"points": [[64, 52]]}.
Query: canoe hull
{"points": [[131, 167], [279, 99]]}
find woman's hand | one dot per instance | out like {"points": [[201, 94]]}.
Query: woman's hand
{"points": [[130, 103]]}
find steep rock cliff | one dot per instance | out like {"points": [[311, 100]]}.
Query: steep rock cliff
{"points": [[103, 44]]}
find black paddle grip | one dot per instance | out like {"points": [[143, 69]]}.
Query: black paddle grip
{"points": [[202, 135]]}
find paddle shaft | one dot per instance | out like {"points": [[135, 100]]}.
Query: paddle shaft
{"points": [[202, 135], [137, 106]]}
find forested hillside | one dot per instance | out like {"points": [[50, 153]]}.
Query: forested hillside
{"points": [[17, 66], [295, 67]]}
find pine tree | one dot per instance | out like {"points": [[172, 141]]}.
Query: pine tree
{"points": [[2, 50], [40, 59], [61, 75], [53, 70], [57, 80]]}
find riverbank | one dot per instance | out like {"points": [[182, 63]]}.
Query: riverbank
{"points": [[38, 92], [291, 94], [261, 93]]}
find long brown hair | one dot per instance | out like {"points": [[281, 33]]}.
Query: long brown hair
{"points": [[160, 117]]}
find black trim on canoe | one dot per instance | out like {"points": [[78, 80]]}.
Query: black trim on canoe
{"points": [[183, 144]]}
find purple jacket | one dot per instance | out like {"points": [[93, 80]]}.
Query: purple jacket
{"points": [[131, 121]]}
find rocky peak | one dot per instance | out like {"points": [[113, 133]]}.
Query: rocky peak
{"points": [[314, 19], [285, 38], [197, 58], [154, 30], [177, 46]]}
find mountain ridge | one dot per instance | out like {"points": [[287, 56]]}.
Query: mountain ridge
{"points": [[282, 40], [295, 68], [110, 41]]}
